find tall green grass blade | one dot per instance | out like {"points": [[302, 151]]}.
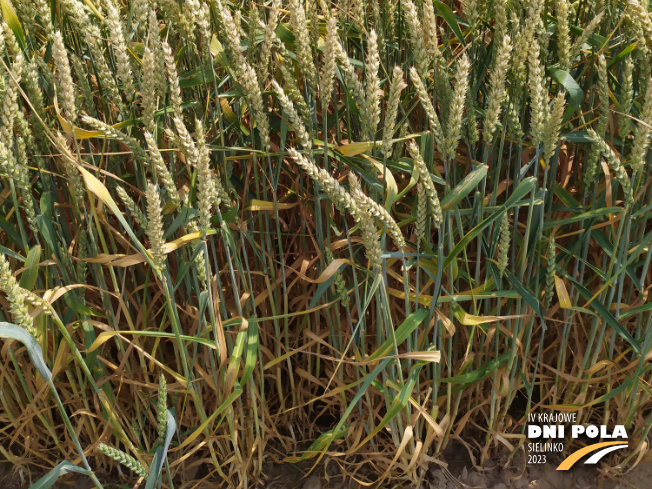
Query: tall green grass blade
{"points": [[51, 478], [606, 316], [161, 453]]}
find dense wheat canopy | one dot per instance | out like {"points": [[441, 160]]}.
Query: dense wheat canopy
{"points": [[240, 232]]}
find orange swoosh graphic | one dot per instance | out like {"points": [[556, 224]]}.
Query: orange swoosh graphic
{"points": [[575, 456]]}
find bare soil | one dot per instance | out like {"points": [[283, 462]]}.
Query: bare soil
{"points": [[456, 473]]}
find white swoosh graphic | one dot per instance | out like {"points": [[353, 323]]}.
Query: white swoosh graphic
{"points": [[595, 458]]}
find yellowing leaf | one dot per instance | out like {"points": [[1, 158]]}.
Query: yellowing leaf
{"points": [[392, 188], [104, 258], [12, 21], [353, 149], [470, 320], [216, 46], [107, 335], [326, 274], [71, 130], [333, 267], [227, 112], [51, 295], [601, 365], [62, 359], [562, 293], [121, 260], [98, 188], [104, 336], [136, 47], [78, 132], [421, 356], [448, 324], [262, 205], [217, 50], [94, 9]]}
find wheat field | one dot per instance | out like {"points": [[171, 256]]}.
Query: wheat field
{"points": [[235, 233]]}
